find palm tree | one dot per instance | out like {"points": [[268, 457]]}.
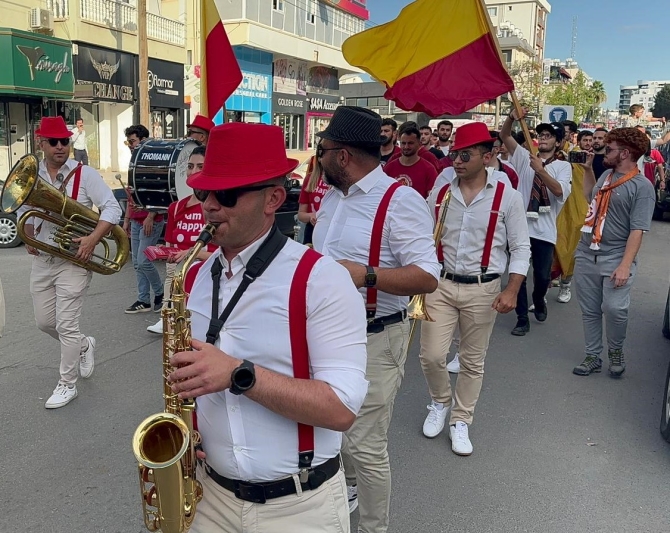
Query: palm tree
{"points": [[598, 96]]}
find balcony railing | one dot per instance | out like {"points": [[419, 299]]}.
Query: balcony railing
{"points": [[120, 16], [60, 9], [166, 30]]}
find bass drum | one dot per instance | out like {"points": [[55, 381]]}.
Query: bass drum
{"points": [[157, 172]]}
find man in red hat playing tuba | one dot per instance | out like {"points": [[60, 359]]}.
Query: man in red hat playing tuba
{"points": [[59, 286], [278, 360]]}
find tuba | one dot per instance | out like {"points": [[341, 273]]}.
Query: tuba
{"points": [[164, 444], [72, 220]]}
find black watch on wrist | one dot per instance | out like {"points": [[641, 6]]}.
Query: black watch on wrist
{"points": [[370, 277], [243, 378]]}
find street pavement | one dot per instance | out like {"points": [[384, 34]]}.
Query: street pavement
{"points": [[553, 452]]}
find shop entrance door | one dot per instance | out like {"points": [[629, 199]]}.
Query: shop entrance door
{"points": [[291, 126], [18, 131]]}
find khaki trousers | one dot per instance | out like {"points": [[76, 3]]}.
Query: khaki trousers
{"points": [[469, 308], [365, 445], [58, 288], [324, 510]]}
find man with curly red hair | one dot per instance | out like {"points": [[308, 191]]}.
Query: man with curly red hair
{"points": [[621, 204]]}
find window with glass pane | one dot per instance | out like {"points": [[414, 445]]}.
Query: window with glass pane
{"points": [[362, 102]]}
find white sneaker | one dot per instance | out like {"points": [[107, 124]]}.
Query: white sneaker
{"points": [[352, 493], [157, 327], [86, 362], [434, 423], [454, 367], [564, 294], [460, 442], [61, 396], [532, 306]]}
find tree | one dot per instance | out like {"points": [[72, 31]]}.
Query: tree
{"points": [[528, 79], [580, 94], [599, 96], [661, 107]]}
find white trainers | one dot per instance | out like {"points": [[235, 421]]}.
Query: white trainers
{"points": [[460, 442], [352, 493], [434, 423], [157, 327], [86, 362], [454, 366], [61, 396], [564, 294], [532, 306]]}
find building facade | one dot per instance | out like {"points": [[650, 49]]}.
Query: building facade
{"points": [[644, 94], [291, 60], [525, 19], [94, 45]]}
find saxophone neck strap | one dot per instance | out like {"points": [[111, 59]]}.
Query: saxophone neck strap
{"points": [[258, 263]]}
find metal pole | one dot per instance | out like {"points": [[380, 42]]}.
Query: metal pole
{"points": [[143, 63]]}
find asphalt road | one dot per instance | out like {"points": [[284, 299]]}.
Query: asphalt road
{"points": [[553, 452]]}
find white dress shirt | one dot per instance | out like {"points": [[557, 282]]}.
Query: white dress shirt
{"points": [[449, 174], [78, 139], [344, 227], [465, 229], [543, 227], [93, 191], [242, 439]]}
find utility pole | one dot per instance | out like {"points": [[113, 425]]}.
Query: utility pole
{"points": [[573, 49], [144, 63]]}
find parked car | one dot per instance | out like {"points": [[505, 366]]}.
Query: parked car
{"points": [[9, 235]]}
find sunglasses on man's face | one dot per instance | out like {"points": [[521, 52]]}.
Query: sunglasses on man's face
{"points": [[228, 198], [54, 142], [191, 132], [465, 156]]}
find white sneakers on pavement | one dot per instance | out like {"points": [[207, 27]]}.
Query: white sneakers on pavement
{"points": [[437, 417], [61, 396], [460, 441], [454, 366], [156, 328], [564, 294], [86, 362], [352, 493]]}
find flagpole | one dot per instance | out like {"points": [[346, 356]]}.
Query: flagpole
{"points": [[513, 96]]}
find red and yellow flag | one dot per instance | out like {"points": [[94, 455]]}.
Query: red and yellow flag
{"points": [[438, 57], [220, 73]]}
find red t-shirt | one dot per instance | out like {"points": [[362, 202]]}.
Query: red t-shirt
{"points": [[135, 214], [313, 199], [650, 168], [184, 225], [423, 154], [420, 176]]}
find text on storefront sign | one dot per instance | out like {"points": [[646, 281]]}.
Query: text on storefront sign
{"points": [[254, 85], [319, 104]]}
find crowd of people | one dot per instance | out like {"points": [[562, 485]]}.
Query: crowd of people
{"points": [[300, 415]]}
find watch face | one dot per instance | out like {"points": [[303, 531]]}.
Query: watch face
{"points": [[244, 378]]}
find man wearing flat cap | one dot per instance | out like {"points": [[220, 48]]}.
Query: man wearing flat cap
{"points": [[381, 231], [278, 360]]}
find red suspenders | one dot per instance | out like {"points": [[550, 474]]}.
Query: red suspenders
{"points": [[376, 245], [490, 231], [77, 181]]}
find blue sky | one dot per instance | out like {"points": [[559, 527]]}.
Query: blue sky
{"points": [[618, 42]]}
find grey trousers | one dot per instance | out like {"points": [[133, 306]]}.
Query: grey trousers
{"points": [[597, 296]]}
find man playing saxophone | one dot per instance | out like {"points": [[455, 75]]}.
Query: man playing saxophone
{"points": [[58, 286], [282, 373]]}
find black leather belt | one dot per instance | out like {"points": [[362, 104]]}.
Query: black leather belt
{"points": [[469, 280], [378, 324], [268, 490]]}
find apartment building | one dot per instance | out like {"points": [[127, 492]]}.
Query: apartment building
{"points": [[79, 59], [291, 60], [644, 93], [527, 19]]}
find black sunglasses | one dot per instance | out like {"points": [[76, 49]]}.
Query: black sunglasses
{"points": [[228, 198], [191, 132], [465, 156], [320, 150], [54, 142]]}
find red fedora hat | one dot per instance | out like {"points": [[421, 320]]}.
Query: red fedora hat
{"points": [[53, 128], [201, 122], [470, 135], [232, 159]]}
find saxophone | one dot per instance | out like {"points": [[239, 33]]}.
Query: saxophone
{"points": [[164, 444]]}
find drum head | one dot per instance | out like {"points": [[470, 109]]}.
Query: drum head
{"points": [[181, 165]]}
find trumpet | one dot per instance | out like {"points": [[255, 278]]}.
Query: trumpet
{"points": [[416, 310]]}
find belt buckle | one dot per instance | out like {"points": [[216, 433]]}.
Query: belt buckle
{"points": [[250, 493]]}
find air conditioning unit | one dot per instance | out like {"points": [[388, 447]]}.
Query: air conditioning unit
{"points": [[41, 19]]}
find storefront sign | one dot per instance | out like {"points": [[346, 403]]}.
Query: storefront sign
{"points": [[293, 105], [290, 76], [254, 85], [37, 65], [166, 84], [355, 7], [111, 74], [323, 103], [324, 80]]}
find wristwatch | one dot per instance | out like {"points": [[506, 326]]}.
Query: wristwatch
{"points": [[243, 378], [370, 277]]}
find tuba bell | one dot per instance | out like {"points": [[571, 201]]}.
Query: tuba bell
{"points": [[72, 220]]}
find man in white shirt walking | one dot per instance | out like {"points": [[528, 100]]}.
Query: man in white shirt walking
{"points": [[283, 373], [381, 232], [79, 142], [58, 286], [483, 215], [544, 184]]}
